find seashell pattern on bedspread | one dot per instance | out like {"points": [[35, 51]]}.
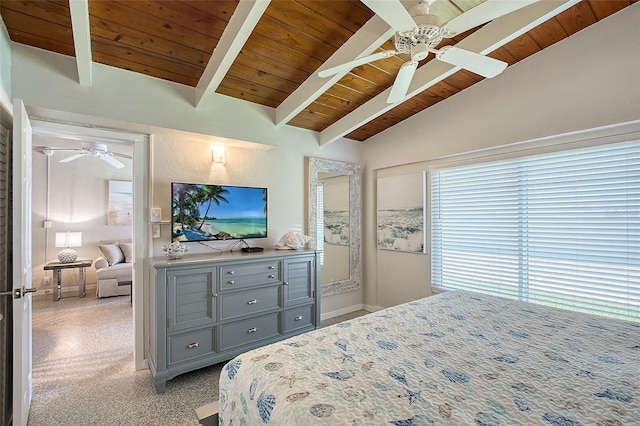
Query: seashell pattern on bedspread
{"points": [[457, 358]]}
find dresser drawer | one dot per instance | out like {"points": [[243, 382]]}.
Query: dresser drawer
{"points": [[191, 344], [234, 276], [296, 318], [242, 332], [249, 302]]}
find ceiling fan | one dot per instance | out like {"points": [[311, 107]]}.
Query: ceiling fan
{"points": [[419, 32], [92, 148]]}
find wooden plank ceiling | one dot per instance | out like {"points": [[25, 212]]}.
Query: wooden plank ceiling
{"points": [[174, 40]]}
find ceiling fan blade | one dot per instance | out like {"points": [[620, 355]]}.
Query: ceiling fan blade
{"points": [[117, 154], [482, 13], [73, 157], [109, 159], [401, 84], [393, 13], [475, 62], [348, 66]]}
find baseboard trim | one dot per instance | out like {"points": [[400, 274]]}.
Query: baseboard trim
{"points": [[328, 315], [47, 291], [370, 308]]}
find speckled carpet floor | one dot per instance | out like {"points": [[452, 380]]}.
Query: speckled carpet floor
{"points": [[83, 369]]}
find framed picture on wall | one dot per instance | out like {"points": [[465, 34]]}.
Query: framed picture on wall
{"points": [[401, 212], [120, 202]]}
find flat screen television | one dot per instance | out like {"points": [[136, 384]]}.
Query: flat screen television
{"points": [[204, 212]]}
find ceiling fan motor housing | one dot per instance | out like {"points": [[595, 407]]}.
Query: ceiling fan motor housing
{"points": [[428, 32]]}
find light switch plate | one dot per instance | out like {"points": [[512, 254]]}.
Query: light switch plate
{"points": [[156, 215], [155, 230]]}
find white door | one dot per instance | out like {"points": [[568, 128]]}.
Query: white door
{"points": [[22, 371]]}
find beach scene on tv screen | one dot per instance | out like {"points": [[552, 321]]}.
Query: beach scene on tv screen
{"points": [[217, 212]]}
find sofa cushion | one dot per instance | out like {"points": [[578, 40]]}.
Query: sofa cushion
{"points": [[127, 251], [120, 271], [112, 253]]}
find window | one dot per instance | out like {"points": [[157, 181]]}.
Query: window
{"points": [[561, 229], [320, 224]]}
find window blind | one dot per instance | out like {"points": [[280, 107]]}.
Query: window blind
{"points": [[561, 229], [320, 222]]}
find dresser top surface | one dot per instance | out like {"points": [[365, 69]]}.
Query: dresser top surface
{"points": [[193, 259]]}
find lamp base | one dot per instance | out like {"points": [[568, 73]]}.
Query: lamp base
{"points": [[67, 255]]}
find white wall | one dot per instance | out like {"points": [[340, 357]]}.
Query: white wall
{"points": [[587, 81], [78, 195], [118, 98], [5, 75]]}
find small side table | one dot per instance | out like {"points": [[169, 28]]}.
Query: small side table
{"points": [[56, 267]]}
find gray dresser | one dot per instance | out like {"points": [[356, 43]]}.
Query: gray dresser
{"points": [[205, 309]]}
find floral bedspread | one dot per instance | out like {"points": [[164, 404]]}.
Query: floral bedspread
{"points": [[457, 358]]}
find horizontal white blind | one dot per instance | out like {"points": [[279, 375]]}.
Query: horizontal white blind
{"points": [[561, 229], [320, 222]]}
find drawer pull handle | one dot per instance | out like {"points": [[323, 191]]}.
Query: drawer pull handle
{"points": [[272, 267], [286, 283], [231, 272], [252, 302], [252, 330], [298, 318], [214, 295], [272, 276], [193, 345], [231, 282]]}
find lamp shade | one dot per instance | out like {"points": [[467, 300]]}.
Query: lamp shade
{"points": [[68, 239]]}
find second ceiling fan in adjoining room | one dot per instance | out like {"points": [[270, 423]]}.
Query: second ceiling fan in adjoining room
{"points": [[89, 149]]}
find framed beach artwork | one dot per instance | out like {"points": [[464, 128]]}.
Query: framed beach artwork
{"points": [[120, 202], [401, 212]]}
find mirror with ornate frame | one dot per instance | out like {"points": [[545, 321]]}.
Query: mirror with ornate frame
{"points": [[344, 243]]}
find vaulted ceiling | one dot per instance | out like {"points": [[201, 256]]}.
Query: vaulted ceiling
{"points": [[269, 52]]}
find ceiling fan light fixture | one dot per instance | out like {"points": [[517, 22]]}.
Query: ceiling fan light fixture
{"points": [[419, 52]]}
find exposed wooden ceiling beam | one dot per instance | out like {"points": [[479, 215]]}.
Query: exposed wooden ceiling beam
{"points": [[367, 39], [235, 35], [490, 37], [82, 40]]}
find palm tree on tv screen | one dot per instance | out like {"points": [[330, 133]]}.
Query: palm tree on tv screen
{"points": [[210, 194], [186, 203]]}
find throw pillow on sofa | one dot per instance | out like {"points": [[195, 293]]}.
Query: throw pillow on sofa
{"points": [[112, 253], [127, 251]]}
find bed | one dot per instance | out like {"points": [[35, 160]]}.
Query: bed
{"points": [[456, 358]]}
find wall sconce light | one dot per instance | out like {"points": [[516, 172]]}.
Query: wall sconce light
{"points": [[217, 153], [68, 239]]}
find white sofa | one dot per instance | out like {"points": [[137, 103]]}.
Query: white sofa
{"points": [[114, 268]]}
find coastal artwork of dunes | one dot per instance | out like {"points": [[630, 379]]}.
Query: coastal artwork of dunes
{"points": [[120, 202], [401, 212]]}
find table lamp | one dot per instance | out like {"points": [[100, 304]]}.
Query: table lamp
{"points": [[68, 240]]}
